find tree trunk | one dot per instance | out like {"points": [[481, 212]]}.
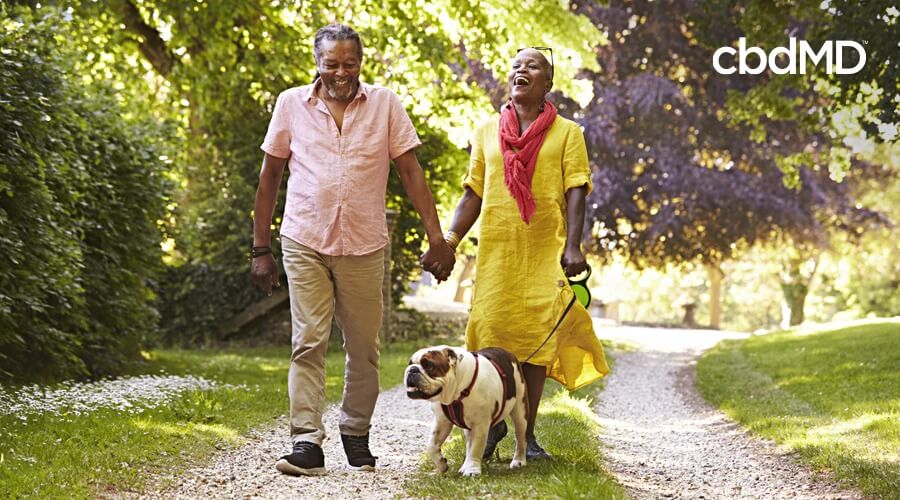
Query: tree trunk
{"points": [[796, 277], [715, 294]]}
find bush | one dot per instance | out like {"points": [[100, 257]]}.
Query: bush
{"points": [[81, 194]]}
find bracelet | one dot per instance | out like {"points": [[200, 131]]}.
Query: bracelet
{"points": [[260, 251], [452, 239]]}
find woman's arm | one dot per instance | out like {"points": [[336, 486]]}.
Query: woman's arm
{"points": [[573, 259], [467, 212]]}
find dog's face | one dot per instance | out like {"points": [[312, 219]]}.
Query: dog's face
{"points": [[430, 370]]}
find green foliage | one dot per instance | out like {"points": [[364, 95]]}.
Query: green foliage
{"points": [[81, 192], [444, 166], [831, 394]]}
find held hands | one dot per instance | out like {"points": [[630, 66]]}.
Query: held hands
{"points": [[264, 273], [439, 260], [573, 262]]}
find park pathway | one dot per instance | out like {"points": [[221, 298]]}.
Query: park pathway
{"points": [[662, 440], [659, 439], [398, 438]]}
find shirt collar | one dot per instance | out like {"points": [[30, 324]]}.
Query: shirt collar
{"points": [[361, 93]]}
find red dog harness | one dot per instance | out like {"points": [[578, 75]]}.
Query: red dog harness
{"points": [[454, 410]]}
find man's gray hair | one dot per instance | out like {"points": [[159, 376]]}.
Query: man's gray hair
{"points": [[336, 32]]}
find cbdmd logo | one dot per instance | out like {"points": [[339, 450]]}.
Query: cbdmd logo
{"points": [[831, 52]]}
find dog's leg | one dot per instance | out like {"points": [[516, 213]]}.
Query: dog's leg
{"points": [[439, 432], [476, 438], [519, 416]]}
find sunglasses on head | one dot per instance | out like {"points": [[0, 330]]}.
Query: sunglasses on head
{"points": [[542, 49]]}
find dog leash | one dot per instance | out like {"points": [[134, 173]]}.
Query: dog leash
{"points": [[558, 322]]}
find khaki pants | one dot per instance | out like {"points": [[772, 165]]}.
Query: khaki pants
{"points": [[347, 288]]}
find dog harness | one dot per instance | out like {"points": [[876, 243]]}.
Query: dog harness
{"points": [[454, 410]]}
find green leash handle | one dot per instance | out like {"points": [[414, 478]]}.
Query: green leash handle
{"points": [[582, 292]]}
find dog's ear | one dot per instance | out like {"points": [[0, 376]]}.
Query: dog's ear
{"points": [[451, 355]]}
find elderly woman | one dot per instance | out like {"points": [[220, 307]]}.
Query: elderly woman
{"points": [[528, 177]]}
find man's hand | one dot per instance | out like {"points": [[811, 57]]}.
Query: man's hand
{"points": [[264, 273], [573, 262], [439, 260]]}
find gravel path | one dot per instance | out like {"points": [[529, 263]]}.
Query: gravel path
{"points": [[398, 438], [663, 441]]}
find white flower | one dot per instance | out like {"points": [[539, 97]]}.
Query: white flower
{"points": [[127, 394]]}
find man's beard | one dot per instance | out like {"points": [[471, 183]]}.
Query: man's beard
{"points": [[342, 92]]}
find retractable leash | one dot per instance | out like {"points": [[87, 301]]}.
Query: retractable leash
{"points": [[582, 293]]}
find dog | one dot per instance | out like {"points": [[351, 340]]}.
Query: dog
{"points": [[473, 391]]}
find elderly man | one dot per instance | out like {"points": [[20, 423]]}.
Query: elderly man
{"points": [[340, 136]]}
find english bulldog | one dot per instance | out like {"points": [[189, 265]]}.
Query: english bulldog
{"points": [[473, 391]]}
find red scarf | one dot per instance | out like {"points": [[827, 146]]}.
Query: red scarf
{"points": [[518, 167]]}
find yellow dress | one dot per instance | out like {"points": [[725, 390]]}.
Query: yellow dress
{"points": [[520, 287]]}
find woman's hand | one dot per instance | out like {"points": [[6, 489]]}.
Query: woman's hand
{"points": [[573, 261]]}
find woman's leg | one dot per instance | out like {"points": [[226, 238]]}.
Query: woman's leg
{"points": [[535, 376]]}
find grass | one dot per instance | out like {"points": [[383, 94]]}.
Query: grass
{"points": [[107, 450], [567, 428], [831, 394]]}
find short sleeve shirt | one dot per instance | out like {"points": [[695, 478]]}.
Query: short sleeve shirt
{"points": [[338, 178]]}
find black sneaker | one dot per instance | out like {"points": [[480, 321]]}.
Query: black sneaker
{"points": [[358, 454], [495, 434], [533, 451], [306, 459]]}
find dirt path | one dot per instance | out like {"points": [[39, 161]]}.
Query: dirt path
{"points": [[663, 440], [398, 439]]}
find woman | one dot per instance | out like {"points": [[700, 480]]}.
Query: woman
{"points": [[528, 176]]}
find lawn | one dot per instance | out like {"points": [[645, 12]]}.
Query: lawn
{"points": [[832, 394], [76, 453], [567, 428]]}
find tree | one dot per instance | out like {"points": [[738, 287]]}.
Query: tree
{"points": [[693, 166]]}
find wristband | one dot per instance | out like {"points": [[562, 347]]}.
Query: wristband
{"points": [[260, 251]]}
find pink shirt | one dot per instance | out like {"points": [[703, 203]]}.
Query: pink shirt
{"points": [[338, 179]]}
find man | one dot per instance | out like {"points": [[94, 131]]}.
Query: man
{"points": [[340, 135]]}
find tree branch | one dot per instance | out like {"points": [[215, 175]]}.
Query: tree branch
{"points": [[152, 45], [482, 76]]}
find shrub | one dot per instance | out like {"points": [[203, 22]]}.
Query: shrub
{"points": [[81, 194]]}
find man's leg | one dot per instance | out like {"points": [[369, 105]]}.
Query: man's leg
{"points": [[358, 309], [312, 308]]}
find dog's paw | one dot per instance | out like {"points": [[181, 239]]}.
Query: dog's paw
{"points": [[441, 466], [515, 464], [470, 470]]}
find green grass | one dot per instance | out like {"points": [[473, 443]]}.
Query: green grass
{"points": [[106, 450], [567, 428], [832, 395]]}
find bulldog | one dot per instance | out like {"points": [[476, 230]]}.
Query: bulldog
{"points": [[470, 390]]}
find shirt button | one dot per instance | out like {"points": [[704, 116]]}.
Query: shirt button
{"points": [[561, 283]]}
